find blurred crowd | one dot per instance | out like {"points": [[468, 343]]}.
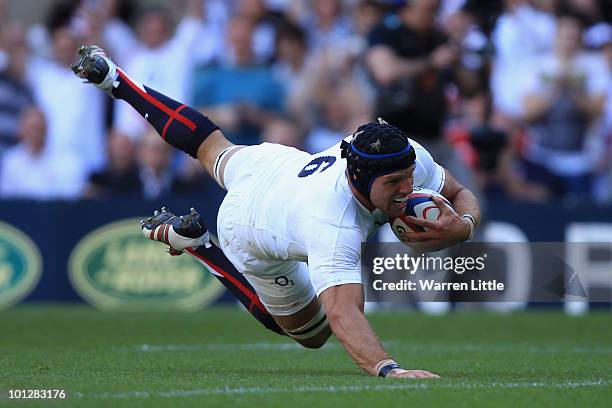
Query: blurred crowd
{"points": [[511, 96]]}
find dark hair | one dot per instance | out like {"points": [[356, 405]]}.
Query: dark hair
{"points": [[60, 14], [291, 31], [126, 10], [568, 12]]}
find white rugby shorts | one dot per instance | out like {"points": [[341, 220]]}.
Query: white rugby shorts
{"points": [[283, 286]]}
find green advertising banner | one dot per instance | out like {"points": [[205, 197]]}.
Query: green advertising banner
{"points": [[115, 268], [20, 265]]}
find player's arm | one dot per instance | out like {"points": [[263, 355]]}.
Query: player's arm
{"points": [[334, 265], [463, 200], [386, 67], [453, 226], [344, 308]]}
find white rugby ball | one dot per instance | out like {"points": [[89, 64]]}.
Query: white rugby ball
{"points": [[420, 205]]}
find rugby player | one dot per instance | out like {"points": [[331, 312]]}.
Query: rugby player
{"points": [[291, 225]]}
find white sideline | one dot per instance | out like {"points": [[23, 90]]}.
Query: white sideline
{"points": [[430, 384]]}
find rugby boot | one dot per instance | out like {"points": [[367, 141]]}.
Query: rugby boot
{"points": [[96, 67], [178, 232]]}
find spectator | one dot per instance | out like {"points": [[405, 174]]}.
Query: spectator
{"points": [[590, 12], [565, 95], [109, 20], [283, 131], [342, 108], [217, 16], [485, 13], [409, 60], [603, 187], [470, 73], [164, 59], [292, 56], [32, 171], [310, 79], [496, 171], [75, 115], [155, 166], [327, 26], [242, 96], [15, 93], [424, 68], [121, 176], [331, 36], [491, 153], [367, 14], [157, 175], [265, 27], [293, 69], [521, 32]]}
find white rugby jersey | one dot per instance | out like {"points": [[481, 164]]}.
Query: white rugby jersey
{"points": [[305, 202]]}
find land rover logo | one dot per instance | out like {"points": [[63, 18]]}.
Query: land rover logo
{"points": [[115, 268], [20, 265]]}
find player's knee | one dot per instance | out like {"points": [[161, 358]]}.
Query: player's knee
{"points": [[317, 341], [209, 149], [314, 333]]}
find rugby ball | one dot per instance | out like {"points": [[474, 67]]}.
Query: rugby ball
{"points": [[420, 205]]}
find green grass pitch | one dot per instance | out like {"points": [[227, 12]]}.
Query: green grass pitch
{"points": [[222, 357]]}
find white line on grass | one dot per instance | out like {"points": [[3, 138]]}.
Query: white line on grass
{"points": [[146, 348], [430, 384]]}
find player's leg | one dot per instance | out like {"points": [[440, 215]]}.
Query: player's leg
{"points": [[278, 294], [287, 293], [188, 233], [283, 286], [178, 124], [220, 162], [235, 282], [308, 326], [190, 131]]}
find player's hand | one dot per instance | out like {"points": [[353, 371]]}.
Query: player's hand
{"points": [[449, 229], [401, 373]]}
